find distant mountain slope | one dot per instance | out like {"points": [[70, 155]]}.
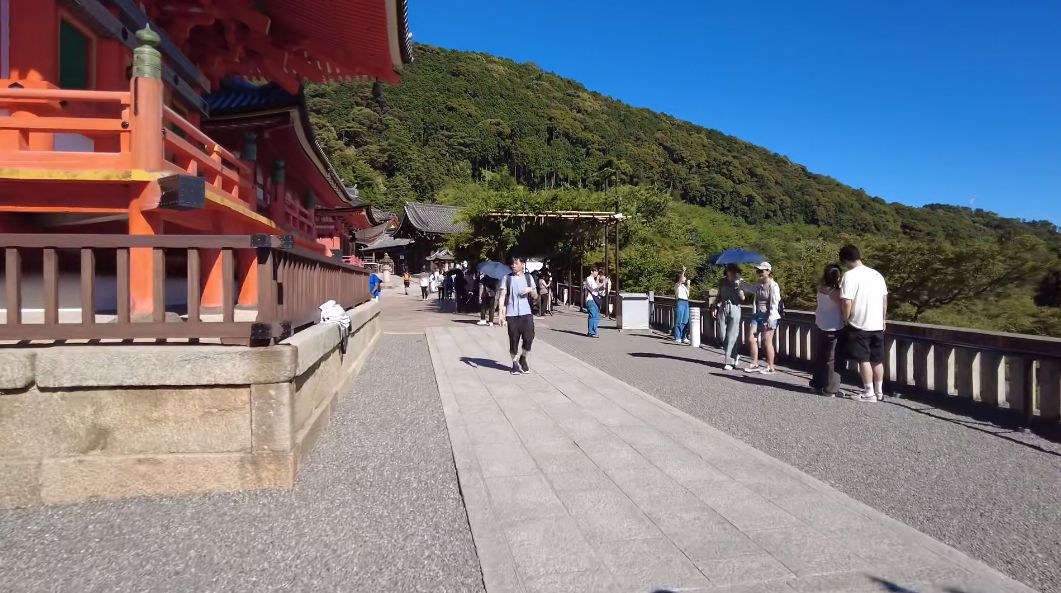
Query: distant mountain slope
{"points": [[456, 114]]}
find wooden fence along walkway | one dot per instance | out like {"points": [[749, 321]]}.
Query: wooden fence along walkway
{"points": [[1004, 370], [278, 287]]}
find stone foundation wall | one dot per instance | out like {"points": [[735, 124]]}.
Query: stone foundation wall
{"points": [[110, 421]]}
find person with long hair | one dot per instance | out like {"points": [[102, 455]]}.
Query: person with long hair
{"points": [[829, 322], [727, 313], [766, 313], [681, 309]]}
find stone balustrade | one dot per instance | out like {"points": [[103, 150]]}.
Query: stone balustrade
{"points": [[1014, 371]]}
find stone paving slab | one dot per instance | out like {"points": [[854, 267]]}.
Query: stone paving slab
{"points": [[576, 481]]}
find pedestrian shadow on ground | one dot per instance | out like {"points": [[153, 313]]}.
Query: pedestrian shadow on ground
{"points": [[470, 321], [707, 363], [571, 331], [758, 379], [485, 363]]}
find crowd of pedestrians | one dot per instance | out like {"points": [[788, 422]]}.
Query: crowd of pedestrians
{"points": [[852, 304]]}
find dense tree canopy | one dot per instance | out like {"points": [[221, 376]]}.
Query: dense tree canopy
{"points": [[483, 132]]}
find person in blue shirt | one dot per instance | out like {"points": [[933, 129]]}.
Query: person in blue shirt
{"points": [[517, 291], [375, 286]]}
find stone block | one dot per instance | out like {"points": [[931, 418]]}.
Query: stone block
{"points": [[650, 565], [125, 421], [520, 498], [315, 343], [315, 388], [544, 546], [607, 515], [16, 368], [155, 365], [20, 486], [272, 420], [75, 479]]}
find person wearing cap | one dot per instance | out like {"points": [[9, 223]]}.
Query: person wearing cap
{"points": [[766, 312]]}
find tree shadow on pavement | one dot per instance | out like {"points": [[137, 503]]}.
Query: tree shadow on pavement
{"points": [[570, 331], [678, 358], [485, 363]]}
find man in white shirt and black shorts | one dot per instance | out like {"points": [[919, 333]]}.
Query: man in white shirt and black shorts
{"points": [[515, 295], [864, 302]]}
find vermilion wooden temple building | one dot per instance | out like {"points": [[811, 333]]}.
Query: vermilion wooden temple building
{"points": [[183, 117]]}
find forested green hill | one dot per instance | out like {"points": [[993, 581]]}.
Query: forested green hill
{"points": [[473, 129]]}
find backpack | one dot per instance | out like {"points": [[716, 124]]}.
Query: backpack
{"points": [[508, 288]]}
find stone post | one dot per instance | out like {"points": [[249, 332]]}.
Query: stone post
{"points": [[694, 326]]}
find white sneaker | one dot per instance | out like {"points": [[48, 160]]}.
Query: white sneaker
{"points": [[767, 371], [481, 322], [686, 342], [868, 396], [728, 367], [753, 369]]}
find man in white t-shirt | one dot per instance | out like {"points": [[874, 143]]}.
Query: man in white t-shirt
{"points": [[864, 302]]}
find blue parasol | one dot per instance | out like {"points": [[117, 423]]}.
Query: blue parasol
{"points": [[736, 255], [494, 269]]}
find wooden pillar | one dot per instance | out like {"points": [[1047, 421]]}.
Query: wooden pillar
{"points": [[145, 129], [141, 260]]}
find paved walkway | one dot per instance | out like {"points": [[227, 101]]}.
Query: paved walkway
{"points": [[576, 481]]}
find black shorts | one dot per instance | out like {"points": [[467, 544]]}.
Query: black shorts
{"points": [[864, 346], [520, 327]]}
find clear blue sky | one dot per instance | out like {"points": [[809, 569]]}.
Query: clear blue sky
{"points": [[917, 102]]}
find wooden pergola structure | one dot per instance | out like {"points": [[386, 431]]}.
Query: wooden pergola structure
{"points": [[595, 220]]}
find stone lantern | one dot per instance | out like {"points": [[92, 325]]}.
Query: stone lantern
{"points": [[386, 268]]}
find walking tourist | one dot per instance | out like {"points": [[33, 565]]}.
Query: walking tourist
{"points": [[606, 295], [406, 279], [864, 302], [765, 316], [425, 283], [487, 300], [545, 302], [591, 292], [447, 288], [681, 309], [460, 291], [516, 292], [829, 321], [436, 283], [375, 286], [727, 313]]}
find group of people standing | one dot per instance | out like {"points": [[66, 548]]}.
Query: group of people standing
{"points": [[852, 304]]}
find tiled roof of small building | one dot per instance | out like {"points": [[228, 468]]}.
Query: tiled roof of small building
{"points": [[386, 241], [433, 218], [371, 233]]}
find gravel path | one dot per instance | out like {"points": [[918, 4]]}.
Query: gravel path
{"points": [[376, 508], [991, 493]]}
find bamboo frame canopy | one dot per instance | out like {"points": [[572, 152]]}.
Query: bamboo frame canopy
{"points": [[606, 217]]}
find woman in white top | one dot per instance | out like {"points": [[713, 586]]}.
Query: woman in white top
{"points": [[766, 312], [829, 320], [681, 309]]}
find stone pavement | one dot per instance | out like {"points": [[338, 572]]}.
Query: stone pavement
{"points": [[576, 481]]}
